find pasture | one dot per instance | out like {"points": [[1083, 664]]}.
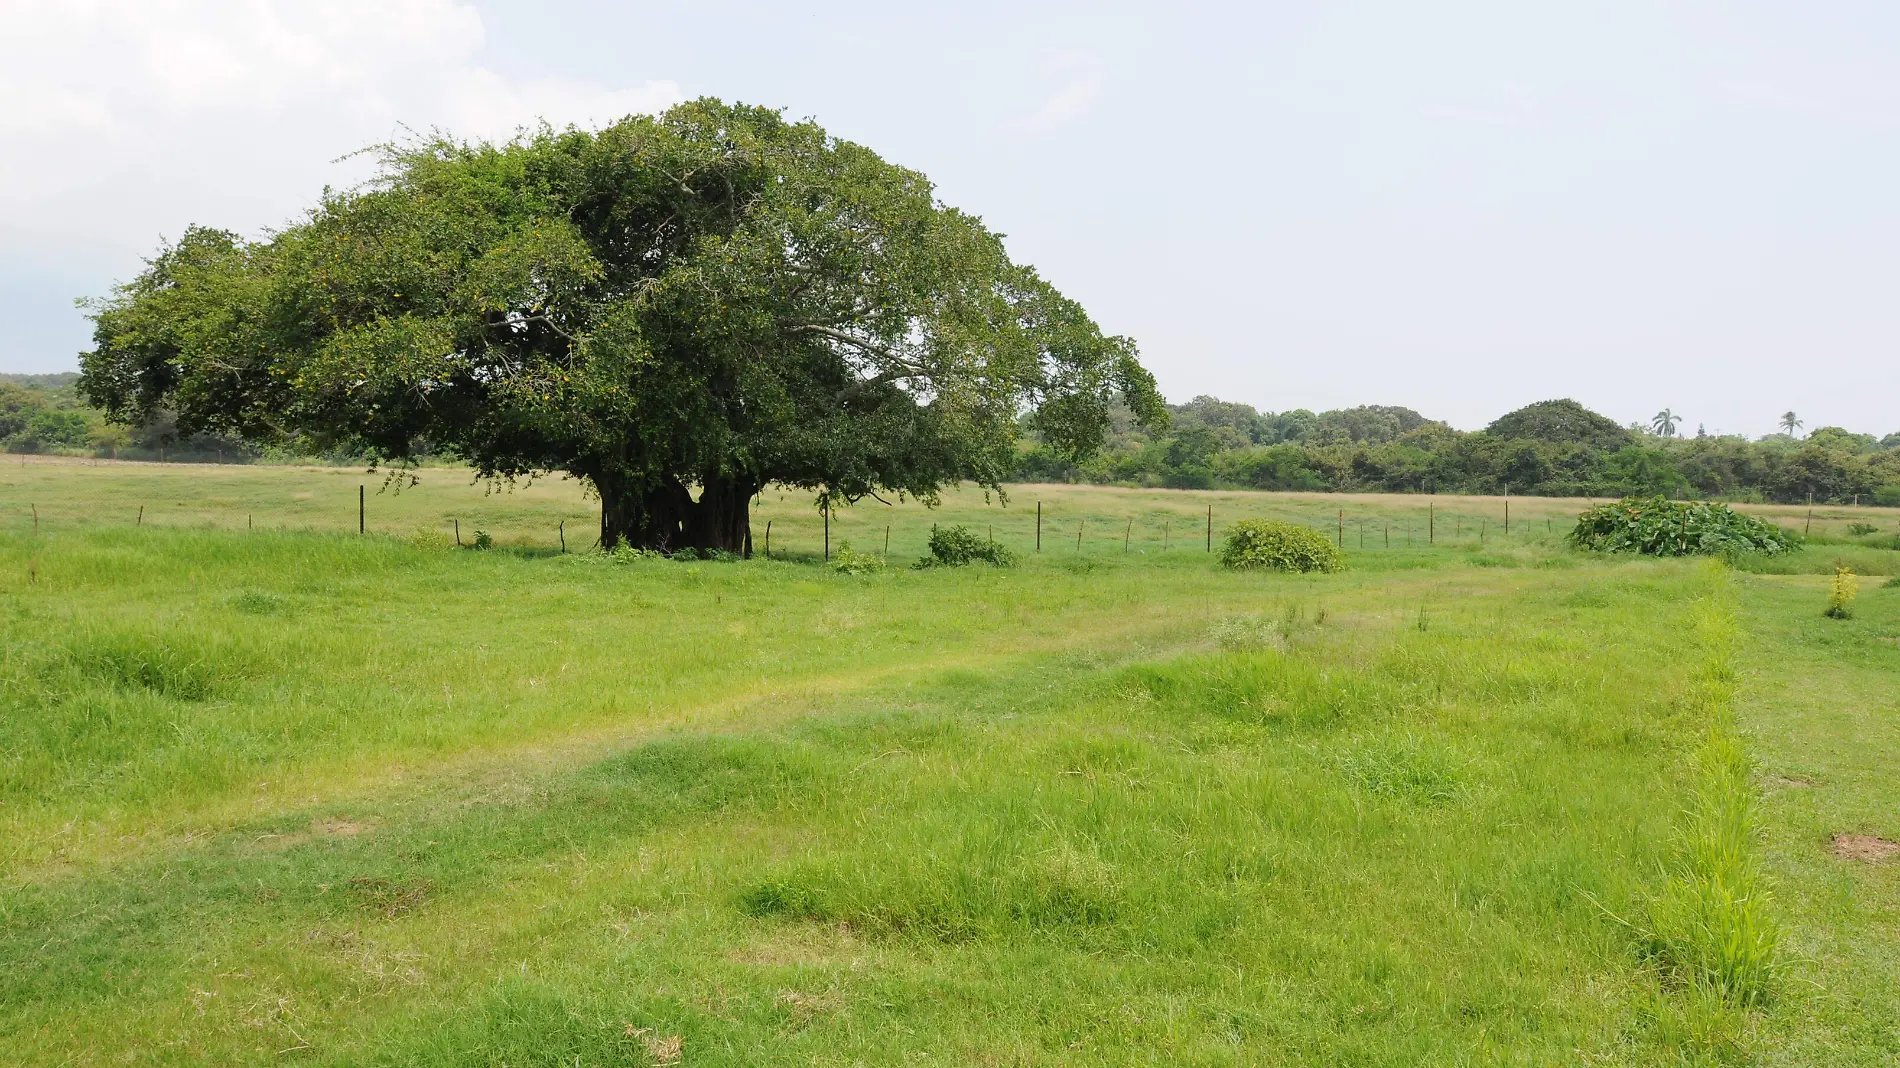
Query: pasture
{"points": [[274, 792]]}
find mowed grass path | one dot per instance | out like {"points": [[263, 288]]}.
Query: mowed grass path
{"points": [[301, 797]]}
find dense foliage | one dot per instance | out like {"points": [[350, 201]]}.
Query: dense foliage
{"points": [[1553, 448], [678, 310], [1657, 526], [956, 545], [1270, 545]]}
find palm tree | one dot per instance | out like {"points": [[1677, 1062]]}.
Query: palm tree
{"points": [[1790, 423], [1665, 423]]}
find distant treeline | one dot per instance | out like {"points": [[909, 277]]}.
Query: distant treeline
{"points": [[1553, 448], [46, 414]]}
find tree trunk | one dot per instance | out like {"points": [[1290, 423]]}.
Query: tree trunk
{"points": [[722, 517], [667, 519]]}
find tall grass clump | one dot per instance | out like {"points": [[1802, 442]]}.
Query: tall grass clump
{"points": [[1711, 930], [1657, 526], [1270, 545]]}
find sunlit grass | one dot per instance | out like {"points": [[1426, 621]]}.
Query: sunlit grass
{"points": [[279, 796]]}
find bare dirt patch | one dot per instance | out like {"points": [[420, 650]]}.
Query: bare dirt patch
{"points": [[1867, 848]]}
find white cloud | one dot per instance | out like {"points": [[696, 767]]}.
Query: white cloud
{"points": [[1081, 83], [124, 119]]}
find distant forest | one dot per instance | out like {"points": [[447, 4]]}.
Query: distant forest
{"points": [[46, 414], [1554, 448], [1551, 448]]}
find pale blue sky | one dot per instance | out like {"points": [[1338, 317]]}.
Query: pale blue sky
{"points": [[1460, 207]]}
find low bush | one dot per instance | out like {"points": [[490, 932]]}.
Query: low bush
{"points": [[849, 561], [1861, 530], [1270, 545], [1657, 526], [955, 546]]}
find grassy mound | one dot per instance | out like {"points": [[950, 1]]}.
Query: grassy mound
{"points": [[1657, 526]]}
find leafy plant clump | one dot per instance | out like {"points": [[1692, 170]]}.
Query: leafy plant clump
{"points": [[955, 546], [1841, 593], [849, 561], [1657, 526], [1270, 545], [1861, 530]]}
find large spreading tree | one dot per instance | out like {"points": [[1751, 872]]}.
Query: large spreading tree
{"points": [[678, 310]]}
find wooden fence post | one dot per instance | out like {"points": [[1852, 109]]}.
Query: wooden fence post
{"points": [[563, 532], [768, 539], [1038, 526], [1210, 528], [1126, 534], [361, 513]]}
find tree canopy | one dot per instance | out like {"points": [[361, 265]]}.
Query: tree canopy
{"points": [[677, 309], [1560, 422]]}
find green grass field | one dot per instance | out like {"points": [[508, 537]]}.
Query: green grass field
{"points": [[291, 795]]}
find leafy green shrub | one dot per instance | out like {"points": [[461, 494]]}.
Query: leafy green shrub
{"points": [[849, 561], [1840, 595], [1270, 545], [483, 540], [955, 546], [1862, 529], [1657, 526]]}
